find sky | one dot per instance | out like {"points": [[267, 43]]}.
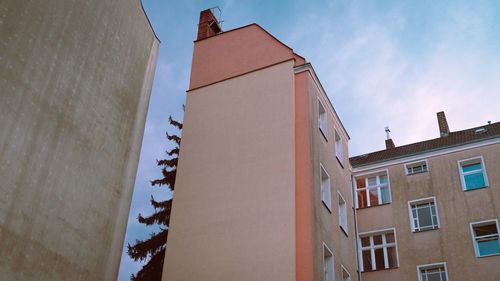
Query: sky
{"points": [[382, 63]]}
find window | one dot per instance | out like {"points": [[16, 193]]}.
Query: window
{"points": [[345, 274], [339, 147], [416, 167], [373, 190], [322, 119], [343, 214], [423, 214], [432, 272], [378, 250], [485, 238], [472, 173], [326, 189], [328, 272]]}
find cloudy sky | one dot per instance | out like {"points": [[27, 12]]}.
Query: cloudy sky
{"points": [[382, 63]]}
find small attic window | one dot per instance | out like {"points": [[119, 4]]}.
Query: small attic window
{"points": [[480, 131]]}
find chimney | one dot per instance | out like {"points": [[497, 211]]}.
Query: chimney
{"points": [[208, 25], [388, 142], [444, 131]]}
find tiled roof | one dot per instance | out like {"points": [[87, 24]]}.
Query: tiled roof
{"points": [[453, 139]]}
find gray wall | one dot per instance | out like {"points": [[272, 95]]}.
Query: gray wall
{"points": [[75, 80]]}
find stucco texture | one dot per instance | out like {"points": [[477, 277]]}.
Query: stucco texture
{"points": [[75, 80], [233, 217]]}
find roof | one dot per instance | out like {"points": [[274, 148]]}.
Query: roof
{"points": [[453, 139]]}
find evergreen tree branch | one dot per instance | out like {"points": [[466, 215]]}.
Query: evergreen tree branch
{"points": [[152, 270], [144, 248]]}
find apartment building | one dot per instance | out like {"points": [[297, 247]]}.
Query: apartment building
{"points": [[265, 189], [429, 210]]}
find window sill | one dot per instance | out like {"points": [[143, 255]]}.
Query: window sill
{"points": [[340, 162], [326, 206], [490, 255], [343, 230], [425, 230], [323, 134], [374, 206], [383, 269], [417, 173], [486, 186]]}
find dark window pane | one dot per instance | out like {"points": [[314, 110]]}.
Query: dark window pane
{"points": [[424, 217], [367, 260], [365, 241], [486, 229], [389, 237], [360, 183], [379, 259], [377, 239], [373, 197], [392, 257], [362, 201]]}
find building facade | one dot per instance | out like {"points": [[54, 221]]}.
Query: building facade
{"points": [[429, 210], [75, 80], [265, 189]]}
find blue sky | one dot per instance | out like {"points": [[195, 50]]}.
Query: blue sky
{"points": [[382, 63]]}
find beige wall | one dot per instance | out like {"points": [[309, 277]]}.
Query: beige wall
{"points": [[75, 79], [233, 214], [326, 223], [452, 242]]}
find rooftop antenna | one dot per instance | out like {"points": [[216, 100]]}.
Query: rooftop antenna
{"points": [[387, 132], [219, 16]]}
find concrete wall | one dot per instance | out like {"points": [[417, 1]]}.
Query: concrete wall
{"points": [[452, 242], [233, 216], [325, 222], [75, 79]]}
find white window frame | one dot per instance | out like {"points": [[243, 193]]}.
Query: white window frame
{"points": [[325, 198], [339, 146], [372, 248], [332, 267], [322, 119], [473, 235], [342, 272], [378, 187], [414, 163], [431, 266], [345, 226], [419, 202], [462, 174]]}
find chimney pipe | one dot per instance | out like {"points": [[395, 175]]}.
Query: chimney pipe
{"points": [[208, 25], [389, 143], [444, 130]]}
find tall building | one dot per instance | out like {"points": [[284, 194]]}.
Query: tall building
{"points": [[75, 80], [247, 201], [265, 189]]}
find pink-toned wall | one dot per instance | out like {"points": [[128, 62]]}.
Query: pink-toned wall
{"points": [[303, 181], [235, 52], [233, 215]]}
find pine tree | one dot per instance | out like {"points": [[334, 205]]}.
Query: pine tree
{"points": [[153, 248]]}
